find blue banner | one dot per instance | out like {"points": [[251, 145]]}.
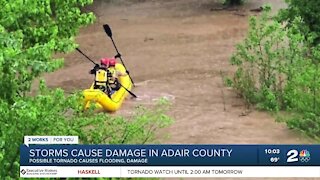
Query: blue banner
{"points": [[170, 155]]}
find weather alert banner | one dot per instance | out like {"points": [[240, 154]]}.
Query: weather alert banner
{"points": [[170, 160]]}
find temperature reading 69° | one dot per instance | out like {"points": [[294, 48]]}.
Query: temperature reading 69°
{"points": [[274, 159]]}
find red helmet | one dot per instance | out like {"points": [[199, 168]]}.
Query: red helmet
{"points": [[112, 62], [105, 61]]}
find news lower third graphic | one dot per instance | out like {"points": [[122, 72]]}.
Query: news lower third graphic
{"points": [[62, 156]]}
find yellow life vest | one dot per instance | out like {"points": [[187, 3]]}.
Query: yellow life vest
{"points": [[101, 78], [112, 75], [112, 78]]}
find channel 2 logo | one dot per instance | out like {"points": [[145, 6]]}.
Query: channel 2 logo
{"points": [[294, 156]]}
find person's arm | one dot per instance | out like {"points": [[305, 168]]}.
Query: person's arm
{"points": [[94, 70], [119, 73], [117, 56]]}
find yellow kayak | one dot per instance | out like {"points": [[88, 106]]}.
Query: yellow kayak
{"points": [[99, 99]]}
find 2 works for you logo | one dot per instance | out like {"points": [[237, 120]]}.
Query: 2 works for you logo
{"points": [[304, 156]]}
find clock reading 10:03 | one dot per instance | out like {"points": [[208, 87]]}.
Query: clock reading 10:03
{"points": [[272, 151]]}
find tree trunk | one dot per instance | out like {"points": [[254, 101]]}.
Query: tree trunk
{"points": [[233, 2]]}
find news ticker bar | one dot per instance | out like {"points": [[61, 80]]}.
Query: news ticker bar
{"points": [[159, 172], [170, 155]]}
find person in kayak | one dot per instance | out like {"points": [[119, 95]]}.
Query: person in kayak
{"points": [[113, 76], [106, 76], [101, 79]]}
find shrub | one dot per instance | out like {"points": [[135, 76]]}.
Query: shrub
{"points": [[52, 113], [278, 68], [30, 33], [262, 63], [309, 11]]}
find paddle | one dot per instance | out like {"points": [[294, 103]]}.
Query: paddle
{"points": [[86, 56], [98, 65], [128, 91], [108, 31]]}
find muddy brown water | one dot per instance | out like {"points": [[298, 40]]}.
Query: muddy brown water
{"points": [[178, 50]]}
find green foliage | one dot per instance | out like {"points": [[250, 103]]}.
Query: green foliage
{"points": [[45, 21], [278, 69], [30, 33], [227, 82], [50, 112], [308, 124], [261, 63], [309, 11]]}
